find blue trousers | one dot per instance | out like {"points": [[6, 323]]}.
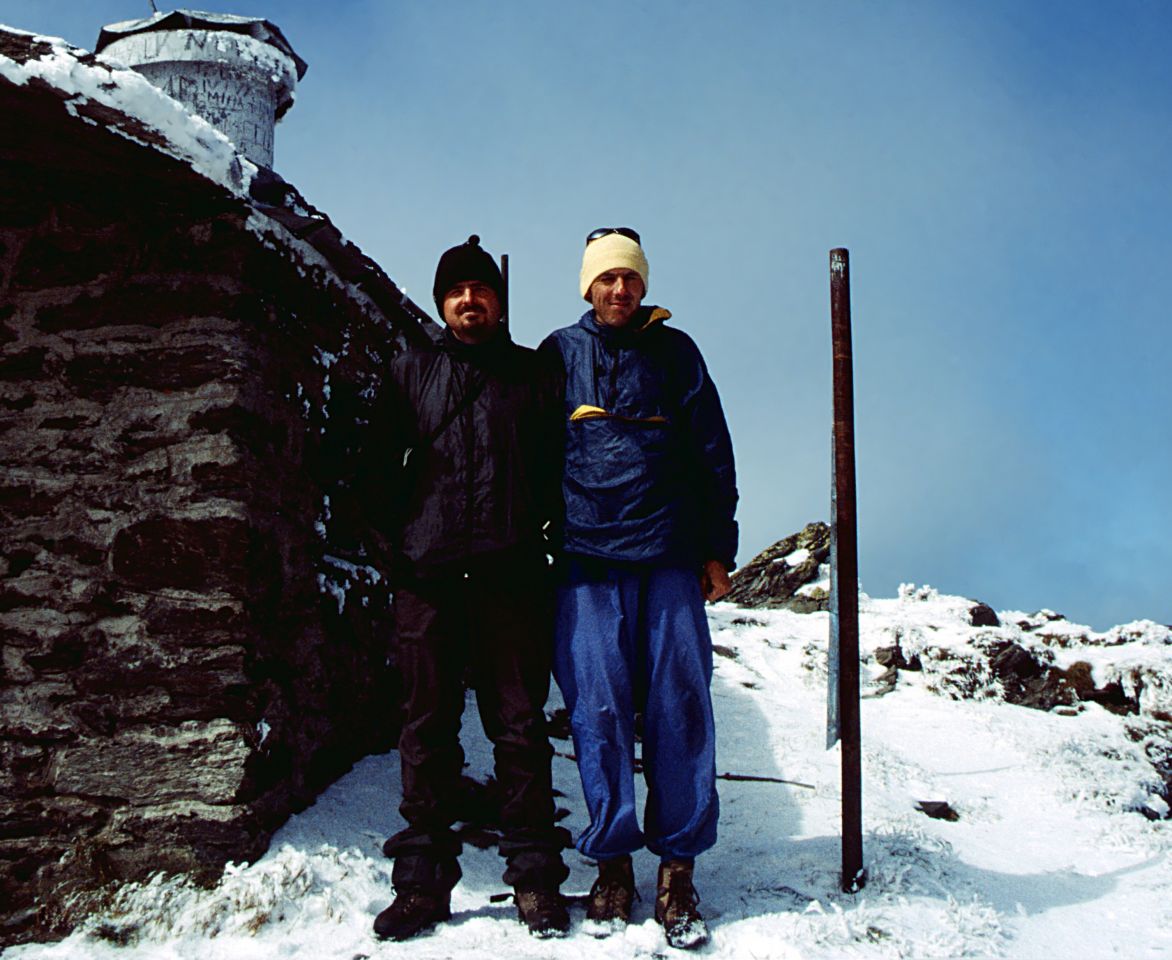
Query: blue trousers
{"points": [[632, 641]]}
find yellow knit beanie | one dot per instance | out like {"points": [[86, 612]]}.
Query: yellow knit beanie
{"points": [[607, 253]]}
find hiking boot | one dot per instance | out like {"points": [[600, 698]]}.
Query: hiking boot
{"points": [[543, 912], [675, 906], [411, 912], [608, 908]]}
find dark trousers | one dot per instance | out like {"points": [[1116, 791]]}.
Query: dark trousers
{"points": [[492, 624]]}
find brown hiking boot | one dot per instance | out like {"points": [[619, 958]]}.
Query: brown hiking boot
{"points": [[411, 912], [543, 912], [675, 906], [609, 907]]}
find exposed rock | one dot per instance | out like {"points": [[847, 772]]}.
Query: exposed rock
{"points": [[1027, 681], [983, 615], [996, 667], [938, 810], [892, 657], [782, 575], [187, 761], [748, 622]]}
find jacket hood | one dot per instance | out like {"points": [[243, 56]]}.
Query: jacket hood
{"points": [[646, 317]]}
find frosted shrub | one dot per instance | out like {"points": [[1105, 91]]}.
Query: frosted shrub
{"points": [[909, 591]]}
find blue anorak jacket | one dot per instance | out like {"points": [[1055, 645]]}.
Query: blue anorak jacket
{"points": [[649, 474]]}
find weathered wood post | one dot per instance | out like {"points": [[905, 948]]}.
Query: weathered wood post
{"points": [[505, 284], [843, 692]]}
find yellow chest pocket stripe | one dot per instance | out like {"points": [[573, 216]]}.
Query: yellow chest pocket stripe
{"points": [[590, 412]]}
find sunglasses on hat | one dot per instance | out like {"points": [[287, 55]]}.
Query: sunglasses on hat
{"points": [[606, 231]]}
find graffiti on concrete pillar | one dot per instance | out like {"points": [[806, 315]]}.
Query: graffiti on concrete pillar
{"points": [[234, 82]]}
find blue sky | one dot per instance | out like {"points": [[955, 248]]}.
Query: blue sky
{"points": [[998, 170]]}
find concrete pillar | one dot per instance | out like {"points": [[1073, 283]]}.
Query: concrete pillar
{"points": [[237, 82]]}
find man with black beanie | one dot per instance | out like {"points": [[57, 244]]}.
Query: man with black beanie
{"points": [[474, 420]]}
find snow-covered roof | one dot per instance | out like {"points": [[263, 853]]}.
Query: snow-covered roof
{"points": [[124, 102]]}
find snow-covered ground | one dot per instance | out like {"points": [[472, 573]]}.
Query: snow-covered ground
{"points": [[1050, 855]]}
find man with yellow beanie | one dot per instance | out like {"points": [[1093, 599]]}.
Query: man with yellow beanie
{"points": [[649, 534]]}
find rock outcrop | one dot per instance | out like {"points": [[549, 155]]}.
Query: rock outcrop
{"points": [[788, 574]]}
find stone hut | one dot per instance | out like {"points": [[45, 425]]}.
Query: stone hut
{"points": [[190, 627]]}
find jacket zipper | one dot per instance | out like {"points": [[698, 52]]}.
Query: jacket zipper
{"points": [[469, 469]]}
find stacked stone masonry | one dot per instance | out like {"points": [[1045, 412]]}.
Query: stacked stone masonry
{"points": [[187, 656]]}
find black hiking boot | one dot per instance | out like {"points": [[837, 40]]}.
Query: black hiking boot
{"points": [[675, 906], [543, 912], [412, 912], [608, 909]]}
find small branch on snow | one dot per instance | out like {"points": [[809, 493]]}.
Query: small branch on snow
{"points": [[740, 777], [753, 778]]}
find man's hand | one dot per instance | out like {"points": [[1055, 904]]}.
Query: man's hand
{"points": [[714, 582]]}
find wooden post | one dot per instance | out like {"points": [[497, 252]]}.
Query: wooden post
{"points": [[844, 579], [505, 284]]}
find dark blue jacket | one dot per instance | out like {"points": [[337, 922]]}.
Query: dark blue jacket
{"points": [[649, 474]]}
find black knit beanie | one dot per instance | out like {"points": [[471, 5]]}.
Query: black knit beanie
{"points": [[468, 261]]}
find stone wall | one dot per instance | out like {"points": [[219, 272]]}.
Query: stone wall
{"points": [[190, 648]]}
